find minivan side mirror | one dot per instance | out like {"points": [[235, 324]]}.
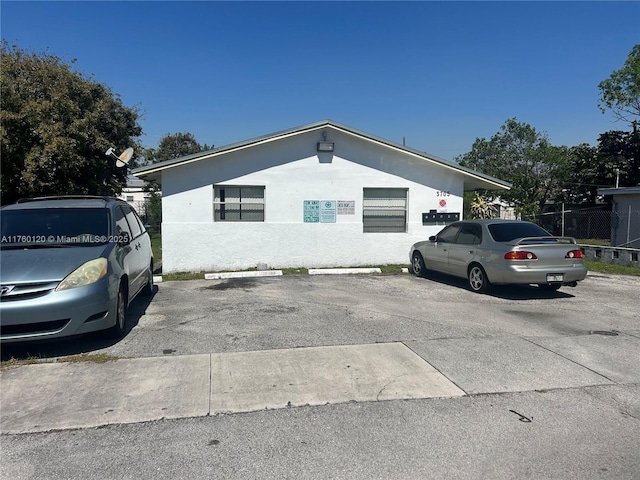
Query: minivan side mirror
{"points": [[124, 238]]}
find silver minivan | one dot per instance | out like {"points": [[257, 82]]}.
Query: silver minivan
{"points": [[70, 265]]}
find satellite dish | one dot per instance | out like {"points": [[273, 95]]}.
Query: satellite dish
{"points": [[124, 157]]}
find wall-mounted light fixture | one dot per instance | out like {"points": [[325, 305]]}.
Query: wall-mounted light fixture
{"points": [[325, 146]]}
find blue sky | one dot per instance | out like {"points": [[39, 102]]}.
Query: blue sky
{"points": [[439, 74]]}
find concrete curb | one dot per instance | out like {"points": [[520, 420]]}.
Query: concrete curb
{"points": [[342, 271], [258, 273], [278, 273]]}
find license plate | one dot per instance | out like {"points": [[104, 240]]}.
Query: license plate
{"points": [[555, 277]]}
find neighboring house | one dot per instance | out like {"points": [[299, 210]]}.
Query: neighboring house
{"points": [[319, 195], [133, 193], [505, 211], [625, 216]]}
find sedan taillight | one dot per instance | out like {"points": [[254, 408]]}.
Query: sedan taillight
{"points": [[574, 254], [520, 255]]}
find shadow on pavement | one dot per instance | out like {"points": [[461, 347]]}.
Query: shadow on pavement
{"points": [[87, 343], [507, 292]]}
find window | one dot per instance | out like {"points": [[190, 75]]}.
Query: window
{"points": [[121, 223], [129, 198], [238, 204], [505, 232], [469, 235], [133, 222], [30, 224], [448, 235], [384, 210]]}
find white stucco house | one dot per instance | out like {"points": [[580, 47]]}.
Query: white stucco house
{"points": [[134, 194], [319, 195]]}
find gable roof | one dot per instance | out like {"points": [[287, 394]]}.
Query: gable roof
{"points": [[619, 191], [473, 179]]}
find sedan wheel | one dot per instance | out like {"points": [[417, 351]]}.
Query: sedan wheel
{"points": [[478, 279], [419, 268]]}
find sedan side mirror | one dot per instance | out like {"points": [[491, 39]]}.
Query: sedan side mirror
{"points": [[432, 238]]}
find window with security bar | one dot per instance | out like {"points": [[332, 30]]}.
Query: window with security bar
{"points": [[238, 204], [384, 210]]}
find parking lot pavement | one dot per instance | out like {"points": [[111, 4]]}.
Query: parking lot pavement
{"points": [[209, 347]]}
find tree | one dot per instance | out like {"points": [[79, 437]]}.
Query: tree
{"points": [[620, 93], [524, 157], [56, 126], [177, 145], [584, 173], [619, 156], [153, 206]]}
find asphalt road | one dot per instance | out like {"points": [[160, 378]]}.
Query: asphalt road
{"points": [[551, 384]]}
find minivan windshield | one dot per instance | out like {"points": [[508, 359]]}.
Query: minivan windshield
{"points": [[54, 226], [505, 232]]}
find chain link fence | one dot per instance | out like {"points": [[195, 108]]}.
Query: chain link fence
{"points": [[615, 228]]}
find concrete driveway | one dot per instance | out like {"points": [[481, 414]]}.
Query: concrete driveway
{"points": [[213, 347]]}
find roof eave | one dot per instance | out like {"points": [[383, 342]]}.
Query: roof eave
{"points": [[154, 171]]}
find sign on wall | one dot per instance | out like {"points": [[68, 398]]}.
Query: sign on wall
{"points": [[346, 207], [325, 211], [311, 209]]}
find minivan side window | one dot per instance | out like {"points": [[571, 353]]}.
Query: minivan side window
{"points": [[133, 222], [121, 223]]}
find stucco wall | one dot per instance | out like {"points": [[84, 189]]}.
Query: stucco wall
{"points": [[292, 171]]}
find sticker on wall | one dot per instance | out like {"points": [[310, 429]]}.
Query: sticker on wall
{"points": [[346, 207]]}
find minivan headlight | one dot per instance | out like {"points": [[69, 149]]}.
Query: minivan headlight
{"points": [[90, 272]]}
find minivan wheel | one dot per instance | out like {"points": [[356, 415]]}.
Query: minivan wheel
{"points": [[147, 291], [118, 330], [478, 280]]}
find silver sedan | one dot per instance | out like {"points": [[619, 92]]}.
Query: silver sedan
{"points": [[500, 252]]}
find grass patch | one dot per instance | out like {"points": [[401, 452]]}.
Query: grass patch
{"points": [[603, 267], [593, 241], [156, 247], [80, 358], [16, 362], [89, 357], [392, 269], [294, 271], [181, 276]]}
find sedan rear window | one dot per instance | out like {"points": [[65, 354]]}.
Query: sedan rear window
{"points": [[505, 232], [54, 226]]}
